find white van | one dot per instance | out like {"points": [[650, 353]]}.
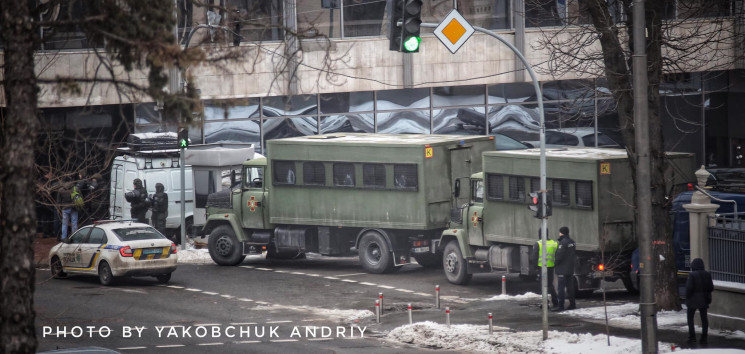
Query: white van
{"points": [[208, 169]]}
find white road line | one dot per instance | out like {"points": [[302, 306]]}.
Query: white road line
{"points": [[263, 303], [244, 299], [227, 296], [387, 287], [248, 342], [131, 348], [206, 344], [281, 271], [349, 281], [370, 284], [283, 340], [191, 289], [210, 293], [423, 294], [332, 278], [249, 267], [320, 339], [243, 324], [268, 322], [311, 320], [313, 275], [349, 275], [170, 346], [174, 286], [298, 273], [264, 269], [404, 290]]}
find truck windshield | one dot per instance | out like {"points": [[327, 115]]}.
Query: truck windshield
{"points": [[254, 177], [477, 191]]}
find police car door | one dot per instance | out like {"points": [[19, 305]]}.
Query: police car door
{"points": [[253, 197], [474, 218], [91, 248], [72, 250]]}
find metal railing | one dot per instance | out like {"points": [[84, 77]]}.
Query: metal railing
{"points": [[727, 248]]}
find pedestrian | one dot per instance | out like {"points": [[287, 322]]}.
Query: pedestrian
{"points": [[160, 208], [536, 257], [698, 297], [138, 201], [69, 211], [565, 258]]}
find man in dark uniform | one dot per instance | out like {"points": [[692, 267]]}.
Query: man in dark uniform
{"points": [[138, 202], [565, 258], [160, 208]]}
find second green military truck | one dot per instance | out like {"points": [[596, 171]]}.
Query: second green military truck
{"points": [[591, 192], [384, 197]]}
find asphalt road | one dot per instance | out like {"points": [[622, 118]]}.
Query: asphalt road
{"points": [[274, 306]]}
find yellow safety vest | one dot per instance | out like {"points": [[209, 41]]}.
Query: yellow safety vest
{"points": [[551, 245]]}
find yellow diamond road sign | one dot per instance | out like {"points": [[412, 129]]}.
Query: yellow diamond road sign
{"points": [[453, 31]]}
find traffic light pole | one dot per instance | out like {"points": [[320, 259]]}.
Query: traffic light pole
{"points": [[544, 221]]}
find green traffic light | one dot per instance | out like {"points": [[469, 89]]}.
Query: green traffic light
{"points": [[184, 143], [411, 44]]}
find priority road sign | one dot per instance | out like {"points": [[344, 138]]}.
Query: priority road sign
{"points": [[453, 31]]}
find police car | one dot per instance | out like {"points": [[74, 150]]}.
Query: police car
{"points": [[115, 248]]}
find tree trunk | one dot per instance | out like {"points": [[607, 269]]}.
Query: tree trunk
{"points": [[17, 216]]}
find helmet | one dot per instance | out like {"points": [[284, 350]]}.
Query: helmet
{"points": [[159, 187], [138, 183]]}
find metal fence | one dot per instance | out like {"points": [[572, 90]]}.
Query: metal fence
{"points": [[727, 248]]}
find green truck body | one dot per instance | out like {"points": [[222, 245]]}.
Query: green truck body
{"points": [[591, 192], [384, 196]]}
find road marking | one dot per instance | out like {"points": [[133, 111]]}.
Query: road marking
{"points": [[209, 293], [370, 284], [349, 281], [283, 340], [349, 275], [243, 324], [131, 348], [268, 322], [227, 296], [298, 273], [244, 299], [191, 289], [332, 278], [206, 344], [248, 342], [263, 303], [404, 290], [175, 286], [249, 267], [313, 275], [169, 346], [387, 287], [281, 271], [264, 269], [423, 294]]}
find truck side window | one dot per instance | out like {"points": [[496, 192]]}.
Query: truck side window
{"points": [[404, 176], [344, 174], [560, 192], [314, 173], [495, 187], [284, 172], [373, 175], [254, 177], [517, 188], [583, 194], [478, 191]]}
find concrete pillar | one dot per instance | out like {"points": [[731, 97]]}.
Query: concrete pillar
{"points": [[699, 211]]}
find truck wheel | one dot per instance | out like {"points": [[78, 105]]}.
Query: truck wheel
{"points": [[375, 256], [429, 260], [455, 266], [581, 294], [224, 247], [631, 283]]}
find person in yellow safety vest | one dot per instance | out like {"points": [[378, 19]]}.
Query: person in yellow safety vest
{"points": [[536, 257]]}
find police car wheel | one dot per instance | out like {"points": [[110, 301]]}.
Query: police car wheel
{"points": [[375, 256], [163, 278], [56, 268], [224, 247], [455, 265], [105, 276]]}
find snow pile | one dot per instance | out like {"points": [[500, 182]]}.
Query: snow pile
{"points": [[627, 316], [526, 296], [474, 338], [193, 255]]}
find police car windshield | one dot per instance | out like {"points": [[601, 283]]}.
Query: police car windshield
{"points": [[139, 233]]}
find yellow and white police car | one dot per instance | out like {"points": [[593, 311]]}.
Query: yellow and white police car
{"points": [[114, 248]]}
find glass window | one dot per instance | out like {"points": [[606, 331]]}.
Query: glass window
{"points": [[495, 186], [544, 13], [407, 122], [284, 172], [603, 140], [405, 176], [704, 8], [465, 121], [344, 174], [80, 236], [297, 105], [517, 188], [373, 175], [204, 184], [363, 17], [477, 188], [348, 123], [558, 138], [254, 177], [457, 96], [583, 194], [244, 131], [97, 236], [256, 21], [346, 102], [560, 192], [314, 173], [519, 122], [277, 128], [138, 233], [234, 109], [403, 99]]}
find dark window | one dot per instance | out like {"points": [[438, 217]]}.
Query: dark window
{"points": [[80, 236], [97, 236], [344, 174], [373, 175], [284, 172], [560, 192], [139, 233], [535, 184], [314, 173], [583, 194], [495, 185], [558, 138], [517, 188], [603, 140], [204, 185], [404, 176]]}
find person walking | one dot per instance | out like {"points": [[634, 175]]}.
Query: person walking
{"points": [[565, 258], [536, 257], [69, 211], [160, 208], [138, 202], [698, 297]]}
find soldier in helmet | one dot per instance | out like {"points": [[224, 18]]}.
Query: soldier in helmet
{"points": [[160, 208], [139, 202]]}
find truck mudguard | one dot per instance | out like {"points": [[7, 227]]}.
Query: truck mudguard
{"points": [[461, 236], [216, 220]]}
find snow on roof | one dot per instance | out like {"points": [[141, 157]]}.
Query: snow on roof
{"points": [[402, 139], [571, 152]]}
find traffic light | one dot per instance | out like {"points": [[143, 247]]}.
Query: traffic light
{"points": [[404, 38], [536, 205], [183, 138], [410, 28]]}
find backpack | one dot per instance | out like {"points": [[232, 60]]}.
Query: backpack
{"points": [[77, 199]]}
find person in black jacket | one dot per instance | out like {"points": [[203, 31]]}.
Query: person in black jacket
{"points": [[698, 297], [565, 256], [138, 201], [160, 208]]}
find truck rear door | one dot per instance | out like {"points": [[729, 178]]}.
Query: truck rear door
{"points": [[474, 217], [460, 165], [253, 197]]}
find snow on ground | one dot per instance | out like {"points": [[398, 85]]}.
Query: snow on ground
{"points": [[473, 338], [526, 296], [194, 255]]}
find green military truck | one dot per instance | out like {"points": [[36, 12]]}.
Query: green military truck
{"points": [[591, 192], [383, 196]]}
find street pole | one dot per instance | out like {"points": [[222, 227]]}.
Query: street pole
{"points": [[544, 221], [647, 302], [182, 164]]}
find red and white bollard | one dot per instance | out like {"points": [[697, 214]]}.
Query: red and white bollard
{"points": [[491, 325], [447, 316], [504, 285], [377, 310], [437, 296], [411, 318], [380, 297]]}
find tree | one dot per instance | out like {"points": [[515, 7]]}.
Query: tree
{"points": [[597, 41]]}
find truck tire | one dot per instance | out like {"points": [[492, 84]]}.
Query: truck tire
{"points": [[375, 255], [224, 247], [631, 284], [429, 260], [455, 266]]}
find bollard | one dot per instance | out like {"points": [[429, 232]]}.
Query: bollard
{"points": [[491, 325], [437, 296], [411, 319], [377, 310], [447, 316], [504, 285], [380, 296]]}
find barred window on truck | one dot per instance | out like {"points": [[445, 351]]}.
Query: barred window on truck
{"points": [[405, 177], [583, 194], [314, 173], [373, 175], [284, 172], [495, 187], [344, 174]]}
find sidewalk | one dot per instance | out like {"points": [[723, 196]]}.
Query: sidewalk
{"points": [[41, 250]]}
